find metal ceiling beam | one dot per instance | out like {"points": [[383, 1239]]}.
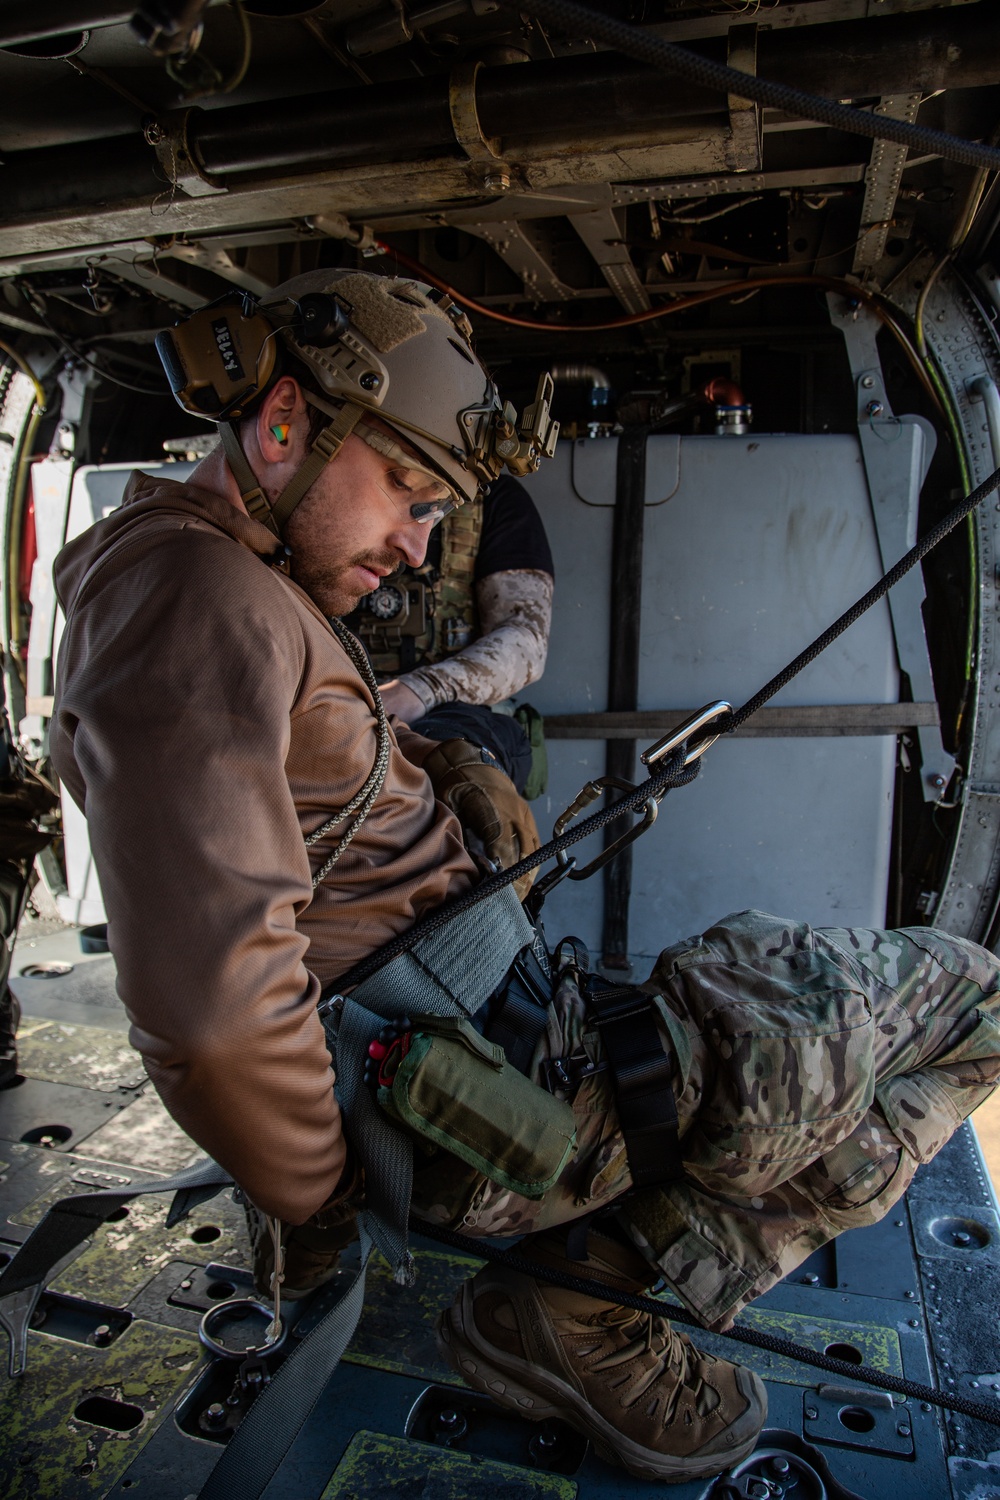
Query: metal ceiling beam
{"points": [[882, 183], [519, 248], [571, 106], [602, 234], [217, 260], [744, 182], [25, 21], [156, 282]]}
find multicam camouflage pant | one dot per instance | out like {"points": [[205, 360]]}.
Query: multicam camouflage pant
{"points": [[815, 1070]]}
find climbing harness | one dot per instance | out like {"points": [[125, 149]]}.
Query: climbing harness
{"points": [[641, 1073]]}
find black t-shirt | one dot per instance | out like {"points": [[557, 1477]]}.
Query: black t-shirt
{"points": [[513, 535]]}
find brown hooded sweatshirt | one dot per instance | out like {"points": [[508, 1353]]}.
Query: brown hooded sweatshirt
{"points": [[206, 719]]}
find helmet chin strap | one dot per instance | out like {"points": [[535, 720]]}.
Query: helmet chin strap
{"points": [[323, 450]]}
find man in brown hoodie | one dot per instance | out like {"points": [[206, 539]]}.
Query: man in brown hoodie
{"points": [[258, 827]]}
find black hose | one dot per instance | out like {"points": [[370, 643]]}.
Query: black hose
{"points": [[579, 21]]}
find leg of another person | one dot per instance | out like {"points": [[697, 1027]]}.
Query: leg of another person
{"points": [[826, 1066]]}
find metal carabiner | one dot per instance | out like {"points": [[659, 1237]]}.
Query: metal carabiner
{"points": [[706, 715], [566, 863]]}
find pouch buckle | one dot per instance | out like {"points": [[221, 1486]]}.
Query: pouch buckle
{"points": [[565, 1074]]}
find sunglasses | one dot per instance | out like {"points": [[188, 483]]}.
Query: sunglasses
{"points": [[426, 495]]}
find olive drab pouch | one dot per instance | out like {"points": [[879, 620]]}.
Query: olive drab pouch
{"points": [[533, 725], [454, 1089]]}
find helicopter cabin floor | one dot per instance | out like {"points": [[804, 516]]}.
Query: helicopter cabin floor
{"points": [[121, 1400]]}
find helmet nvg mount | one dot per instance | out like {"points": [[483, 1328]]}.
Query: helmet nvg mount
{"points": [[374, 346]]}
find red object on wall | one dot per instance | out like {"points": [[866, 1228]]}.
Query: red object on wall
{"points": [[722, 392]]}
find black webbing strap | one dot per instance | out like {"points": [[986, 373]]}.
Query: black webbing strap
{"points": [[521, 1011], [642, 1074]]}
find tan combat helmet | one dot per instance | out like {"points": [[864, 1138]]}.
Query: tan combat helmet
{"points": [[374, 345]]}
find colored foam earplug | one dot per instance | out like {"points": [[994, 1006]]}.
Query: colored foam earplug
{"points": [[281, 432]]}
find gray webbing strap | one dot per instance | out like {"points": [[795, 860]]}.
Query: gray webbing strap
{"points": [[452, 972], [325, 447], [257, 504], [262, 1440], [67, 1224]]}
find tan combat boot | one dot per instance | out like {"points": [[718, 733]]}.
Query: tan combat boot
{"points": [[643, 1394]]}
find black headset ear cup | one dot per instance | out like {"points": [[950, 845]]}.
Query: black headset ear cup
{"points": [[320, 320]]}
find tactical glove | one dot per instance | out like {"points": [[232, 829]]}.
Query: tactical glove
{"points": [[312, 1249], [469, 782]]}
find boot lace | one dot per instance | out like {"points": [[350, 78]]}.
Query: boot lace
{"points": [[653, 1342]]}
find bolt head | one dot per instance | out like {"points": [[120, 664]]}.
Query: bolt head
{"points": [[497, 180], [937, 781], [867, 381], [812, 1412]]}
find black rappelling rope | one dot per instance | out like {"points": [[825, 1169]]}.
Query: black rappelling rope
{"points": [[579, 21], [673, 773], [965, 1406]]}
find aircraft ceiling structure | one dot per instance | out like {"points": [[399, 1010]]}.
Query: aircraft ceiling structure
{"points": [[577, 185]]}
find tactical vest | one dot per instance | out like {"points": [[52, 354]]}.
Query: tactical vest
{"points": [[425, 614]]}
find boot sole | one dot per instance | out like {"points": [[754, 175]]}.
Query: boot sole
{"points": [[537, 1395]]}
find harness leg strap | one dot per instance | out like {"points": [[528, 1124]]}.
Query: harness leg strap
{"points": [[642, 1074], [523, 1011]]}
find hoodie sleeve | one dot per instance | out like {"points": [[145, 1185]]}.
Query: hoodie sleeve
{"points": [[177, 673]]}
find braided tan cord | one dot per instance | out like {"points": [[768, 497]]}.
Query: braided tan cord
{"points": [[364, 800]]}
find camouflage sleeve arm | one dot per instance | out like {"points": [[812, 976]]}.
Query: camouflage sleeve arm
{"points": [[515, 614]]}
